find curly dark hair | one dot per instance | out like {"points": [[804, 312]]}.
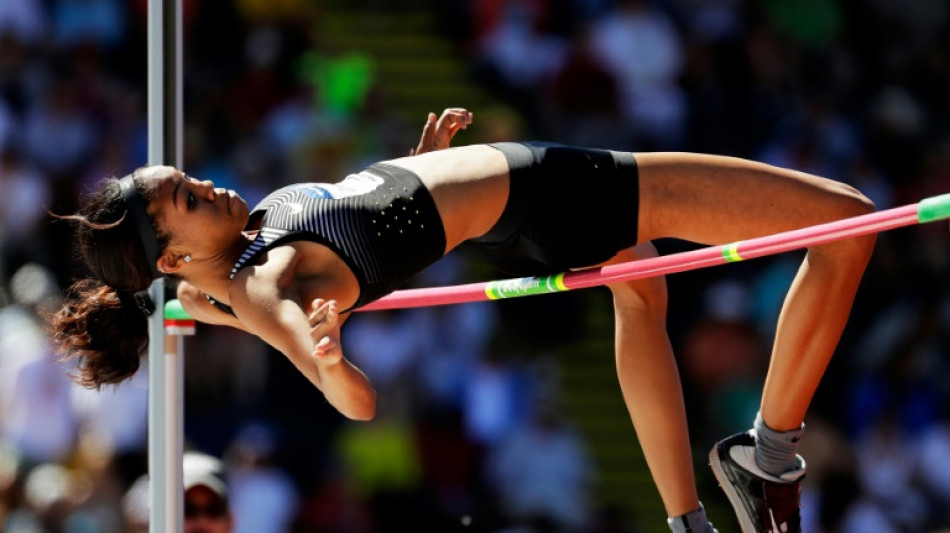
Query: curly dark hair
{"points": [[101, 325]]}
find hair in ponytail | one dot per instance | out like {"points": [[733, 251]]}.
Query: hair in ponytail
{"points": [[102, 325], [103, 329]]}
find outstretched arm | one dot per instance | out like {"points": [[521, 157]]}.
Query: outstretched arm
{"points": [[271, 308]]}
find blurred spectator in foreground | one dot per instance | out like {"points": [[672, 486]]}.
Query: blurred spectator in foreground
{"points": [[640, 45], [516, 55], [578, 118], [207, 509], [724, 359], [35, 412], [541, 475], [51, 493], [26, 194], [263, 497], [135, 506]]}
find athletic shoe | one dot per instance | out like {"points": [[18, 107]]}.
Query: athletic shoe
{"points": [[763, 503]]}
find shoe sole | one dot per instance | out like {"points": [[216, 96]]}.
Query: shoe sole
{"points": [[726, 481]]}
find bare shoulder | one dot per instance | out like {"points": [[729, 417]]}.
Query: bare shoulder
{"points": [[256, 287], [300, 271]]}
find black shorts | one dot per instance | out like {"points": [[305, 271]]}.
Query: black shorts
{"points": [[567, 208]]}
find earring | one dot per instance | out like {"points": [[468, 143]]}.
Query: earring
{"points": [[187, 258]]}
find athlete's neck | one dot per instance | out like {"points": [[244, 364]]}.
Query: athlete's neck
{"points": [[214, 276]]}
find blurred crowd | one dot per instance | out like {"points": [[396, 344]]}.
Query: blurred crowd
{"points": [[471, 433]]}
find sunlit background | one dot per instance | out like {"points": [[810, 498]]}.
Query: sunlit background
{"points": [[495, 417]]}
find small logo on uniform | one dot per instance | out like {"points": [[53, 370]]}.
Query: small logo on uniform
{"points": [[295, 208]]}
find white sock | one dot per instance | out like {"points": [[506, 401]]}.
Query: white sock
{"points": [[776, 451], [694, 522]]}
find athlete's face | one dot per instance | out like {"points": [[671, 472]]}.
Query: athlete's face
{"points": [[202, 221], [206, 512]]}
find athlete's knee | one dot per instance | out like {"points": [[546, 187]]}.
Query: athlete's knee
{"points": [[639, 295], [644, 295], [850, 202]]}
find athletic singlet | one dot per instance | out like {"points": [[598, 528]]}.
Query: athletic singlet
{"points": [[382, 223]]}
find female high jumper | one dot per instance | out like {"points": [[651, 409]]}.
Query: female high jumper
{"points": [[289, 270]]}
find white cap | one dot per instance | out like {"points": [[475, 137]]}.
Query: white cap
{"points": [[204, 470]]}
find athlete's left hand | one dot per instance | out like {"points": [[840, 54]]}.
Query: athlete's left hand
{"points": [[438, 134], [325, 331]]}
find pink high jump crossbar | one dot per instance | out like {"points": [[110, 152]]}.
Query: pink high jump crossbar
{"points": [[927, 210]]}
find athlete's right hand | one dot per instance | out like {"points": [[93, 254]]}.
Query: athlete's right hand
{"points": [[438, 134], [325, 331]]}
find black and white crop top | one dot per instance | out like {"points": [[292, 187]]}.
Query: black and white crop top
{"points": [[382, 222]]}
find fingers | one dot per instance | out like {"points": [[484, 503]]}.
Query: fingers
{"points": [[325, 312], [324, 324], [452, 120], [319, 309], [326, 351], [428, 133], [459, 115], [437, 134], [323, 346]]}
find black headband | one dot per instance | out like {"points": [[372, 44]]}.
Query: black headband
{"points": [[136, 209]]}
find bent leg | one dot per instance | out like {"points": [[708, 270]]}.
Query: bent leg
{"points": [[650, 383], [716, 200]]}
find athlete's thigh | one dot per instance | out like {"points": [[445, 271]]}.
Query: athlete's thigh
{"points": [[714, 199]]}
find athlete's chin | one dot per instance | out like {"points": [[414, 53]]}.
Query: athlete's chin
{"points": [[239, 207]]}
